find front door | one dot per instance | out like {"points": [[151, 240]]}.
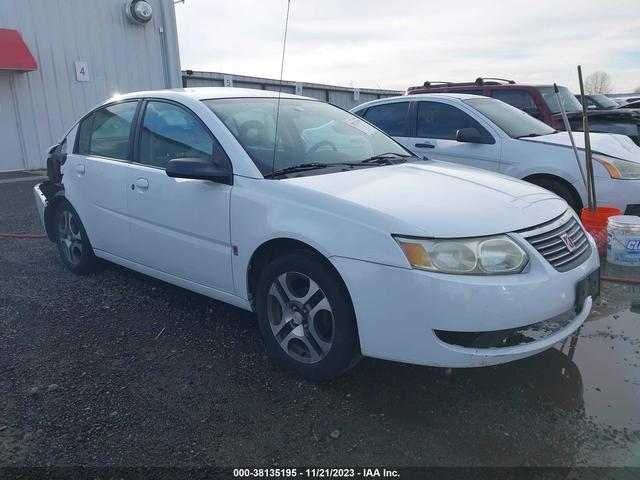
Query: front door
{"points": [[12, 156], [436, 127], [179, 227]]}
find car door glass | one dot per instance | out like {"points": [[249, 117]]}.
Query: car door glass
{"points": [[391, 118], [518, 98], [169, 132], [442, 121], [105, 132]]}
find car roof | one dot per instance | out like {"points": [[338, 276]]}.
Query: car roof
{"points": [[409, 98], [205, 93]]}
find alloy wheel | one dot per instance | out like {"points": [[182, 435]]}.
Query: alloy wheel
{"points": [[70, 237], [300, 317]]}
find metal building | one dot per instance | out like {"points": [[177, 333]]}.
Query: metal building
{"points": [[345, 97], [59, 58]]}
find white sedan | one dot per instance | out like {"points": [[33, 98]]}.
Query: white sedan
{"points": [[486, 133], [341, 241]]}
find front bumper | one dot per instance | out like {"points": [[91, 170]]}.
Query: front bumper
{"points": [[399, 309], [617, 193]]}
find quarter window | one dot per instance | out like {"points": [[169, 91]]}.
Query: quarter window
{"points": [[170, 131], [391, 118], [105, 132], [442, 121]]}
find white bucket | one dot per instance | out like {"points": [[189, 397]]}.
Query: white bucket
{"points": [[623, 240]]}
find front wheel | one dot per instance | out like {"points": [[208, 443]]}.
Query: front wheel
{"points": [[305, 317], [72, 240]]}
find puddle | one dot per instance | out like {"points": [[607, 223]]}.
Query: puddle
{"points": [[607, 354]]}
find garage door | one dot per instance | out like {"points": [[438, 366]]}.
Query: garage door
{"points": [[11, 157]]}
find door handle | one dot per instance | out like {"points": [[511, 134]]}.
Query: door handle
{"points": [[425, 145], [141, 183], [80, 168]]}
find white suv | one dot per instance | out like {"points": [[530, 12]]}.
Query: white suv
{"points": [[339, 239], [486, 133]]}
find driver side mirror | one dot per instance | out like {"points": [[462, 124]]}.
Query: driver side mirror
{"points": [[199, 169], [470, 135]]}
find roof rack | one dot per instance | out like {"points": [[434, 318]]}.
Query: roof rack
{"points": [[478, 82]]}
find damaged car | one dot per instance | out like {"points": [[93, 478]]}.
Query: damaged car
{"points": [[340, 240]]}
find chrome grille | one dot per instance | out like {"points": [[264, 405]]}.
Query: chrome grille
{"points": [[548, 239]]}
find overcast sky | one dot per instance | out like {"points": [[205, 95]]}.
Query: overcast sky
{"points": [[396, 43]]}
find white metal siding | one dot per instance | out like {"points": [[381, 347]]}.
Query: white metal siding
{"points": [[122, 57]]}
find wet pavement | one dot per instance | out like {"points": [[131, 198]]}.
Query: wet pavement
{"points": [[119, 369]]}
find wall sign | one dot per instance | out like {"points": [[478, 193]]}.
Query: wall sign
{"points": [[298, 88], [356, 94], [82, 72], [228, 80]]}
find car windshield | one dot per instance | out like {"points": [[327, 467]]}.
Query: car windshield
{"points": [[570, 102], [513, 121], [308, 132], [604, 102]]}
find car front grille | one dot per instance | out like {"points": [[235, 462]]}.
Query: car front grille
{"points": [[562, 242]]}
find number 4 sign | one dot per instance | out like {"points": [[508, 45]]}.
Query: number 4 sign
{"points": [[82, 71]]}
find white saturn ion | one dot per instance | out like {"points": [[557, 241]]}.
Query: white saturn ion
{"points": [[341, 241]]}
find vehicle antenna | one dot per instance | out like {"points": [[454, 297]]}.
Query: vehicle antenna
{"points": [[284, 46]]}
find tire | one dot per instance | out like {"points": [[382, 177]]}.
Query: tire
{"points": [[306, 318], [559, 189], [72, 240]]}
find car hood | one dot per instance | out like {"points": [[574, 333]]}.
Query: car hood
{"points": [[611, 144], [439, 199], [613, 114]]}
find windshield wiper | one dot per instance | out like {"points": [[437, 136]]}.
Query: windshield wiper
{"points": [[303, 167], [387, 158], [297, 168], [530, 135]]}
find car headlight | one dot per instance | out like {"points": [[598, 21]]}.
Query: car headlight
{"points": [[618, 168], [497, 255]]}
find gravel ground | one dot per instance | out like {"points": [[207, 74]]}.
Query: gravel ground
{"points": [[119, 369]]}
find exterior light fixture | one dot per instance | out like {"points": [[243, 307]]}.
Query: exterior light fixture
{"points": [[138, 11]]}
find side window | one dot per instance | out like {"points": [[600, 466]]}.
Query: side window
{"points": [[442, 121], [170, 131], [391, 118], [518, 98], [106, 131]]}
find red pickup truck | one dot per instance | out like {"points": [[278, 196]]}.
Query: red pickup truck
{"points": [[540, 102]]}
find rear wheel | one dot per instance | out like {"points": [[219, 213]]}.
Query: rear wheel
{"points": [[305, 317], [559, 189], [72, 240]]}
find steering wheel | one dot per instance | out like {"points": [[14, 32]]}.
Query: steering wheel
{"points": [[319, 145]]}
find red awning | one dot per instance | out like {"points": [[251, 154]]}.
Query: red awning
{"points": [[14, 53]]}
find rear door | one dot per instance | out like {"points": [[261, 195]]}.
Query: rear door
{"points": [[95, 176], [179, 227], [434, 129]]}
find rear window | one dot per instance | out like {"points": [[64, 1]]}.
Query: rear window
{"points": [[105, 133]]}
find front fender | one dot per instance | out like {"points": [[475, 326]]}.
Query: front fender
{"points": [[267, 210]]}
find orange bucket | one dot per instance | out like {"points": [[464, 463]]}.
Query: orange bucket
{"points": [[596, 224]]}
